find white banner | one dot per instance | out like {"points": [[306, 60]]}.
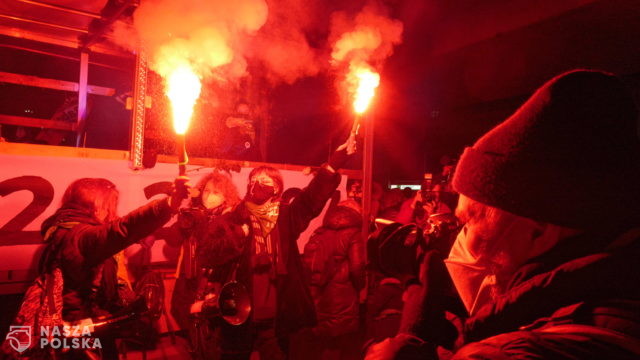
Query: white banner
{"points": [[31, 188]]}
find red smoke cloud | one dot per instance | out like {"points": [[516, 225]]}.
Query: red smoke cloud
{"points": [[206, 34], [219, 38], [370, 37], [361, 44]]}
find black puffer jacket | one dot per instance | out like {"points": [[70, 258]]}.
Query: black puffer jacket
{"points": [[334, 260], [82, 247]]}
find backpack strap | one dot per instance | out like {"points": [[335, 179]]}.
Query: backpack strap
{"points": [[49, 264], [53, 311]]}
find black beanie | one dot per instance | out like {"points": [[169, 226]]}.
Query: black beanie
{"points": [[569, 156]]}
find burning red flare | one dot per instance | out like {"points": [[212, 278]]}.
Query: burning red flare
{"points": [[183, 89], [363, 82]]}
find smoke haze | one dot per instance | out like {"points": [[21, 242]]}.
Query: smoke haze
{"points": [[222, 38]]}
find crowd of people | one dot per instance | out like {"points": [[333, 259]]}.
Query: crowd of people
{"points": [[537, 258]]}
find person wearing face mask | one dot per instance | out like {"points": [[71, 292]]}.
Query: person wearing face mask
{"points": [[214, 195], [259, 238], [547, 261], [85, 238]]}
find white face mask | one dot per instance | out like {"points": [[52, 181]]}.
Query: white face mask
{"points": [[472, 275], [481, 266], [212, 201], [211, 197]]}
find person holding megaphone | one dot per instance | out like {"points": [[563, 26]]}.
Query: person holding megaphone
{"points": [[257, 243]]}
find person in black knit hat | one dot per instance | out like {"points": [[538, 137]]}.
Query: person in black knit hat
{"points": [[546, 264]]}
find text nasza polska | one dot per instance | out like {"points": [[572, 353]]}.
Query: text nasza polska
{"points": [[68, 337]]}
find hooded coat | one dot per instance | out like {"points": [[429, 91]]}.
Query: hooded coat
{"points": [[335, 261]]}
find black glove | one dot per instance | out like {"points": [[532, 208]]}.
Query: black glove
{"points": [[338, 159], [179, 192], [425, 314], [189, 218]]}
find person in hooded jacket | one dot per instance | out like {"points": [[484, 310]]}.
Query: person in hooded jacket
{"points": [[334, 259], [85, 238], [547, 261]]}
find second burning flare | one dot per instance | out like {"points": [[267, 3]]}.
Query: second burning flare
{"points": [[183, 89]]}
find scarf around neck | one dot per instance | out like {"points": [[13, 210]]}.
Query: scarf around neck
{"points": [[267, 214]]}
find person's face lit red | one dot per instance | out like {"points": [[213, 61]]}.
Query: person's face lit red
{"points": [[211, 196], [491, 246], [477, 229], [264, 179]]}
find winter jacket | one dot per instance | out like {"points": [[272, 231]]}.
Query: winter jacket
{"points": [[580, 300], [588, 280], [84, 249], [228, 245], [334, 260]]}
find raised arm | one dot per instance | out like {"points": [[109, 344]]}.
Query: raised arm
{"points": [[311, 200], [97, 243]]}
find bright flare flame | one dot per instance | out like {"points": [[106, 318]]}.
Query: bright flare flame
{"points": [[364, 81], [183, 89]]}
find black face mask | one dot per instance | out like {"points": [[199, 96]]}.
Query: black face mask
{"points": [[259, 193]]}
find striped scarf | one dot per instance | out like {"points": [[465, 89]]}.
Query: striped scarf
{"points": [[263, 243], [263, 220]]}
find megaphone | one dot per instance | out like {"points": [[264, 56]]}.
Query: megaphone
{"points": [[234, 303]]}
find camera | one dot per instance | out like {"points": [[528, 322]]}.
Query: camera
{"points": [[190, 217], [440, 231], [428, 196]]}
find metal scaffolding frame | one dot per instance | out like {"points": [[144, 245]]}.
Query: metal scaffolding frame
{"points": [[87, 40]]}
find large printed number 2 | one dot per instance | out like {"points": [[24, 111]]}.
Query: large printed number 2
{"points": [[42, 196]]}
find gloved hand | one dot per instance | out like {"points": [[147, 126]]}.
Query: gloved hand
{"points": [[424, 311], [338, 159], [188, 218], [179, 192], [207, 307]]}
